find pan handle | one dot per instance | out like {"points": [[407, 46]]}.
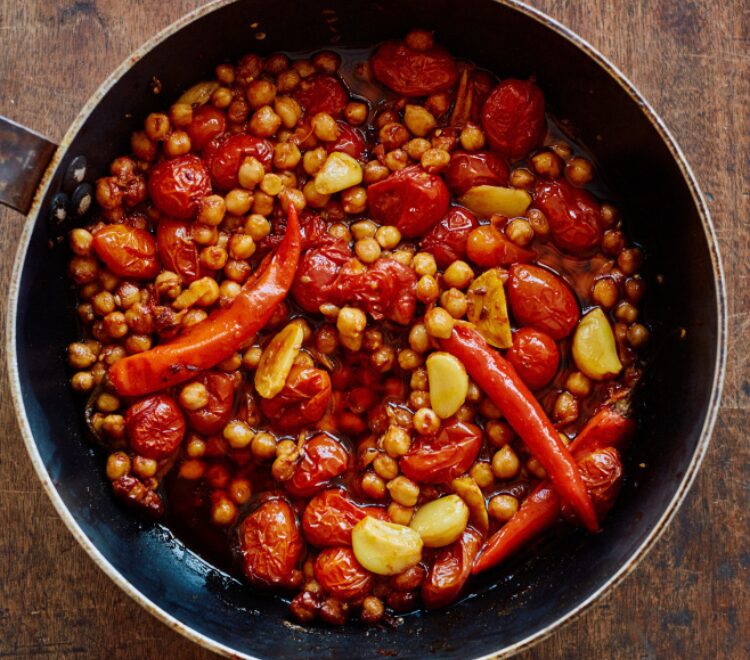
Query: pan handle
{"points": [[24, 156]]}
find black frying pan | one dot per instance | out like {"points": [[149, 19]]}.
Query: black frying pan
{"points": [[526, 598]]}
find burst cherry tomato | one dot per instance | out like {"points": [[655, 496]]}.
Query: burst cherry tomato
{"points": [[301, 402], [542, 300], [446, 241], [534, 356], [341, 575], [323, 459], [450, 570], [482, 168], [602, 473], [127, 251], [330, 516], [271, 545], [155, 426], [177, 185], [573, 214], [387, 290], [488, 247], [208, 122], [350, 141], [411, 72], [513, 118], [439, 458], [215, 415], [224, 156], [411, 199], [322, 93], [177, 250], [317, 273]]}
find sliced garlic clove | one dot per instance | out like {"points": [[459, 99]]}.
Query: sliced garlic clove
{"points": [[486, 201], [442, 521], [448, 382], [339, 172], [277, 359], [594, 347], [385, 548]]}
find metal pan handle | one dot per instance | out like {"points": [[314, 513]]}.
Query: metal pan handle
{"points": [[24, 156]]}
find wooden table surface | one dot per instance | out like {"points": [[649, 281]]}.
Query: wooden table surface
{"points": [[689, 598]]}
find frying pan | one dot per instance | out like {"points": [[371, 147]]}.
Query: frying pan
{"points": [[525, 599]]}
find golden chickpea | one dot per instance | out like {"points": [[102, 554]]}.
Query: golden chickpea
{"points": [[502, 507], [373, 486], [609, 215], [286, 156], [81, 355], [368, 250], [82, 381], [351, 321], [519, 231], [223, 512], [630, 260], [289, 111], [388, 237], [539, 223], [257, 227], [481, 472], [211, 210], [118, 465], [419, 399], [271, 184], [403, 255], [385, 467], [192, 469], [499, 433], [396, 160], [313, 197], [472, 138], [241, 246], [324, 127], [396, 441], [83, 270], [505, 463], [195, 447], [578, 385], [454, 302], [403, 491], [287, 81], [107, 403], [416, 148], [137, 343], [111, 354], [205, 234], [240, 490], [566, 408], [423, 263], [419, 40], [224, 74], [408, 360], [605, 292], [626, 313], [613, 242], [193, 317], [263, 203], [238, 434], [521, 178], [115, 325], [435, 161], [439, 323], [419, 339], [144, 467], [232, 363], [438, 104], [399, 514], [304, 68], [635, 288], [264, 122], [292, 197], [264, 446], [260, 92], [214, 257], [326, 61], [80, 241], [535, 467], [194, 396], [142, 148], [114, 426], [251, 357], [221, 98], [181, 115], [458, 275], [426, 421], [354, 200], [238, 201], [383, 359], [638, 335], [177, 144], [356, 113], [157, 126], [547, 164], [427, 289], [418, 380], [313, 160], [418, 120], [579, 171], [374, 171]]}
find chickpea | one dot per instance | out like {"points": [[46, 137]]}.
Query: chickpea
{"points": [[438, 104], [399, 514], [418, 380], [547, 164], [435, 161], [426, 421], [81, 355], [177, 144], [326, 340], [286, 156], [264, 122], [351, 321], [373, 486], [388, 237], [260, 92], [372, 610], [111, 354], [263, 203], [419, 399], [194, 396], [192, 469], [605, 292], [118, 465], [221, 98], [403, 255], [137, 343], [142, 148], [114, 426], [241, 246], [626, 313], [157, 126], [214, 257], [144, 467], [385, 466], [520, 231], [613, 242], [107, 403], [578, 384], [396, 160], [356, 113], [305, 68], [114, 324], [292, 197], [638, 335], [287, 81], [418, 120], [502, 507], [82, 381], [374, 171], [539, 223], [535, 467], [204, 234], [383, 358], [324, 127], [458, 275], [264, 446], [368, 250], [566, 408], [609, 215], [354, 200], [439, 323], [579, 171], [635, 287], [403, 491], [83, 270], [505, 463], [80, 242], [313, 197], [238, 434], [408, 360], [271, 184], [257, 227], [416, 148], [232, 363], [499, 433], [393, 135], [630, 260], [313, 160], [363, 229], [482, 474], [454, 302], [240, 490], [396, 441], [385, 117], [521, 178], [195, 447], [427, 289], [472, 138], [419, 40], [181, 115], [223, 512], [419, 339]]}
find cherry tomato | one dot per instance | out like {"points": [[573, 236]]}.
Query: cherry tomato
{"points": [[177, 185], [215, 415], [411, 72], [341, 575], [487, 246], [534, 356], [350, 141], [513, 118], [317, 272], [411, 199], [208, 122], [542, 300], [573, 214], [450, 570], [386, 290], [225, 154], [330, 516], [177, 250], [301, 402], [439, 458], [271, 545], [446, 241], [127, 251], [322, 93], [155, 426], [602, 473], [323, 459], [482, 168]]}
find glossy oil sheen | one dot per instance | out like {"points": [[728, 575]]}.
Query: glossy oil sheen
{"points": [[527, 594]]}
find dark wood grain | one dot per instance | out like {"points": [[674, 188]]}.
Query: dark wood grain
{"points": [[691, 596]]}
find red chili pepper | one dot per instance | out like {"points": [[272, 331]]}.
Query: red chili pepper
{"points": [[205, 344], [610, 426], [499, 380]]}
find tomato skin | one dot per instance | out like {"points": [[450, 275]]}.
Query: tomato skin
{"points": [[318, 270], [513, 118], [323, 459], [301, 402], [350, 141], [386, 290], [177, 185], [602, 472], [225, 154], [271, 545], [481, 168], [446, 241], [208, 122], [127, 251], [488, 247], [177, 250], [413, 73], [542, 300], [330, 516], [450, 570], [439, 458], [574, 216], [341, 575], [534, 356], [322, 93], [215, 415], [411, 199], [155, 426]]}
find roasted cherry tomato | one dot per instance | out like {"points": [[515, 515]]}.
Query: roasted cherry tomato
{"points": [[573, 214], [446, 241], [323, 459], [412, 72], [513, 118], [271, 545], [322, 93], [330, 516], [482, 168], [215, 415], [155, 426], [436, 459], [317, 274], [350, 141], [224, 156], [387, 290], [450, 570], [542, 300], [602, 473], [535, 357], [301, 402], [341, 575], [177, 185], [411, 199], [488, 247], [208, 122], [177, 250], [127, 251]]}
